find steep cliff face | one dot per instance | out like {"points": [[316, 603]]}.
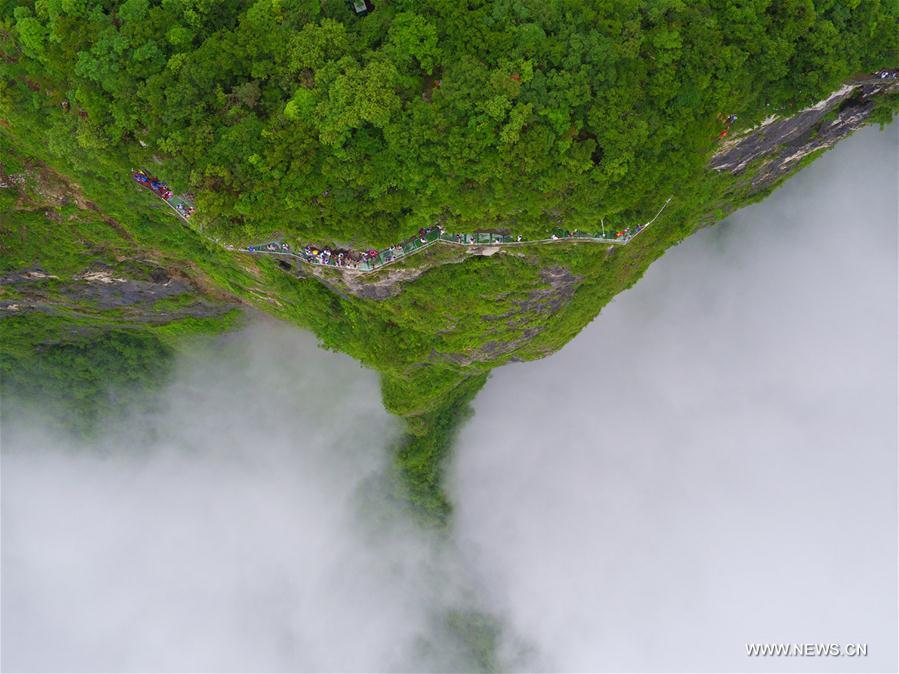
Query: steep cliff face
{"points": [[460, 307], [138, 291], [758, 158], [65, 258], [86, 252], [776, 147], [92, 306]]}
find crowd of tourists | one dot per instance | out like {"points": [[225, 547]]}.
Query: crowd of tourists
{"points": [[373, 259], [353, 259], [161, 189]]}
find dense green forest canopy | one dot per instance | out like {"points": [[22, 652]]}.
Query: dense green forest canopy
{"points": [[300, 117]]}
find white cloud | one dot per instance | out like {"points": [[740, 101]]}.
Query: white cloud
{"points": [[240, 529], [713, 460]]}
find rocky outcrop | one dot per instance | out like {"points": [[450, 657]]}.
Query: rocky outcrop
{"points": [[558, 286], [387, 282], [118, 283], [132, 288], [775, 148]]}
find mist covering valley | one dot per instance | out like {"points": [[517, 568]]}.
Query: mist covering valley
{"points": [[242, 527], [713, 460], [710, 463]]}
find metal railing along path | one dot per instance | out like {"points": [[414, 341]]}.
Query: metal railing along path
{"points": [[432, 236], [376, 260]]}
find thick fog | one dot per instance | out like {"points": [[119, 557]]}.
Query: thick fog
{"points": [[241, 528], [712, 462]]}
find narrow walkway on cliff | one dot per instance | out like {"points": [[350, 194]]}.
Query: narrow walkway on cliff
{"points": [[373, 260]]}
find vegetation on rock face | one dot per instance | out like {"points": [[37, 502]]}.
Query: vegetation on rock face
{"points": [[299, 118], [77, 382], [89, 323], [420, 458]]}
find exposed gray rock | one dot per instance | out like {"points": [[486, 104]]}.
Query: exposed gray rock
{"points": [[782, 143], [134, 287]]}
